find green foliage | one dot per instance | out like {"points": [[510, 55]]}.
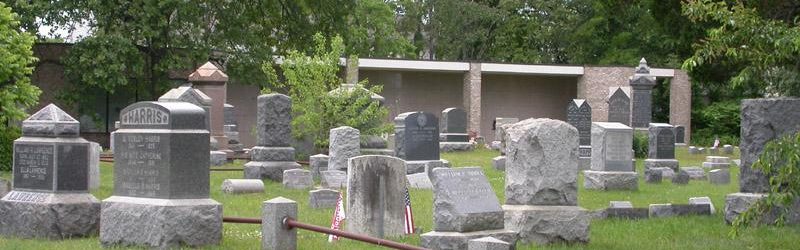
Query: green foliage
{"points": [[764, 53], [780, 160], [718, 120], [310, 81], [16, 58], [640, 144], [7, 137]]}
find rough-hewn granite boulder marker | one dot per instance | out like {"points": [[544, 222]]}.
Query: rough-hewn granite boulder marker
{"points": [[542, 183], [661, 147], [161, 180], [465, 207], [344, 144], [612, 168], [417, 140], [375, 196], [763, 120], [50, 196], [273, 153], [579, 115]]}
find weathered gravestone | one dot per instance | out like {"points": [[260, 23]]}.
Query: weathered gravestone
{"points": [[50, 194], [465, 207], [680, 133], [417, 140], [454, 135], [612, 168], [297, 179], [499, 132], [188, 94], [419, 181], [642, 84], [375, 195], [579, 115], [763, 120], [715, 162], [231, 129], [273, 154], [344, 144], [242, 186], [161, 180], [619, 105], [323, 198], [719, 176], [661, 147], [541, 183], [318, 163], [334, 179], [94, 165]]}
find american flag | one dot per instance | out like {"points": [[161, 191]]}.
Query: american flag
{"points": [[409, 216], [338, 217]]}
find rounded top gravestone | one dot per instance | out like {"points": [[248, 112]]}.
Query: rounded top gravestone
{"points": [[417, 136], [162, 151]]}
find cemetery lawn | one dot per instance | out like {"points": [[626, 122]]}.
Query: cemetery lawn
{"points": [[693, 232]]}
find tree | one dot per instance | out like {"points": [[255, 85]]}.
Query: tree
{"points": [[16, 91], [764, 53], [310, 80]]}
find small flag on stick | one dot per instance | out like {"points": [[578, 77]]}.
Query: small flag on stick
{"points": [[338, 217], [409, 216]]}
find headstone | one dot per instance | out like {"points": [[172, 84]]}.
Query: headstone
{"points": [[680, 134], [231, 129], [691, 209], [620, 204], [161, 171], [695, 173], [376, 145], [344, 144], [702, 200], [612, 158], [541, 183], [719, 176], [323, 198], [419, 181], [318, 163], [94, 165], [499, 122], [274, 235], [630, 213], [334, 179], [727, 149], [642, 105], [188, 94], [619, 105], [209, 79], [653, 176], [489, 243], [242, 186], [693, 150], [50, 194], [681, 178], [661, 210], [416, 136], [665, 172], [375, 195], [579, 115], [661, 147], [715, 162], [297, 179], [454, 125], [273, 153]]}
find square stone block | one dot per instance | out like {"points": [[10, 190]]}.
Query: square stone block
{"points": [[602, 180], [548, 224], [268, 170], [49, 215]]}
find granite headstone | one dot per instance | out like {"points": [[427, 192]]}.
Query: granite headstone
{"points": [[619, 106]]}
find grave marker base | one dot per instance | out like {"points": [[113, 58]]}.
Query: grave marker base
{"points": [[658, 163], [456, 146], [160, 223], [603, 180], [49, 215], [272, 170], [548, 224], [413, 167], [455, 240]]}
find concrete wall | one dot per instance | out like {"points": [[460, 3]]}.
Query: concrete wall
{"points": [[417, 91], [524, 97]]}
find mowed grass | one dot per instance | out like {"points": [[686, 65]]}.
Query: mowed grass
{"points": [[693, 232]]}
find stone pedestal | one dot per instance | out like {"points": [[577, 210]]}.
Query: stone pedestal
{"points": [[160, 223], [458, 240], [661, 163], [456, 146], [602, 180], [49, 215], [273, 155], [413, 167], [548, 224]]}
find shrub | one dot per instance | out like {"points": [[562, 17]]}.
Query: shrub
{"points": [[720, 119], [640, 144], [7, 138]]}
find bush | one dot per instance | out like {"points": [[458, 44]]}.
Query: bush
{"points": [[640, 144], [7, 138], [720, 119]]}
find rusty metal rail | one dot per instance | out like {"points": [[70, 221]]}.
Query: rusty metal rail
{"points": [[290, 223], [111, 159]]}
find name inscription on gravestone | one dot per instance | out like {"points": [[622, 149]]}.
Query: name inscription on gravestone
{"points": [[421, 137], [145, 116], [617, 151], [34, 197], [140, 164], [33, 166], [581, 118], [619, 108], [665, 144], [641, 108], [468, 189]]}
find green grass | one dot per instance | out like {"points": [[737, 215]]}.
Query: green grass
{"points": [[694, 232]]}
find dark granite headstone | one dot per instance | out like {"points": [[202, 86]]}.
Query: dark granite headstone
{"points": [[454, 120], [464, 201], [162, 151], [579, 115], [661, 141], [619, 106], [642, 84], [417, 136], [680, 132], [627, 213]]}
